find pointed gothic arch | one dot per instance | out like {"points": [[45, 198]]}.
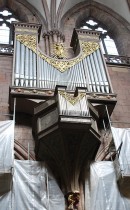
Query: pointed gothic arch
{"points": [[116, 25], [24, 11]]}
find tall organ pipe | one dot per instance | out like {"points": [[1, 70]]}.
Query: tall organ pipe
{"points": [[30, 69], [22, 56], [17, 66], [102, 68], [89, 73], [26, 66]]}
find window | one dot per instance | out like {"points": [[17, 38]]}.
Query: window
{"points": [[6, 18], [107, 43]]}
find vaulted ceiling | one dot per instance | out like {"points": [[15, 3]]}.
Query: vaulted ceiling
{"points": [[52, 10]]}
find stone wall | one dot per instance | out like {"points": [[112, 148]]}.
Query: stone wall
{"points": [[5, 81], [23, 122], [120, 78], [117, 27]]}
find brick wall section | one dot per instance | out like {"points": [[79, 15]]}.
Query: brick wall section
{"points": [[23, 125], [120, 78], [5, 81], [23, 131]]}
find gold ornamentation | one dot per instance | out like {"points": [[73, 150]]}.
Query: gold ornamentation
{"points": [[70, 98], [29, 41], [87, 48], [59, 50], [72, 200]]}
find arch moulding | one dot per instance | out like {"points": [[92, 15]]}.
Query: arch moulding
{"points": [[116, 25]]}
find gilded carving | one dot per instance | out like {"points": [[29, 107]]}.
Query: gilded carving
{"points": [[70, 98], [87, 48], [59, 50], [29, 41]]}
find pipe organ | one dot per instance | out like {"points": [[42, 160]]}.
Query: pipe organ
{"points": [[34, 69], [25, 74], [67, 123]]}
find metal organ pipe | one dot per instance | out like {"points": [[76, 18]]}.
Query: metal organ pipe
{"points": [[22, 56], [78, 75], [17, 62], [99, 70], [86, 75], [34, 69], [99, 79], [95, 73], [89, 73], [102, 69], [92, 74], [86, 64], [30, 68], [26, 66]]}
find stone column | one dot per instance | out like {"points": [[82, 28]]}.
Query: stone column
{"points": [[50, 38]]}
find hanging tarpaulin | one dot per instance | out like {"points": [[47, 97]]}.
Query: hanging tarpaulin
{"points": [[56, 197], [29, 186], [6, 145], [34, 188], [101, 190], [6, 157], [6, 201], [121, 138]]}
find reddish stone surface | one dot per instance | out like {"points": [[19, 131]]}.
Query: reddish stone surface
{"points": [[23, 127], [117, 27], [120, 78]]}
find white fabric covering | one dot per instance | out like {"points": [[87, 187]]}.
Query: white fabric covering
{"points": [[29, 191], [122, 135], [34, 188], [6, 145], [101, 192]]}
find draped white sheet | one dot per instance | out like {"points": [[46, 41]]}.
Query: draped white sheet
{"points": [[122, 143], [6, 145], [101, 191], [33, 189]]}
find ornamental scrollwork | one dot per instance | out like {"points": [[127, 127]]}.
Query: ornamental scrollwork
{"points": [[70, 98], [29, 41], [59, 51], [87, 48]]}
